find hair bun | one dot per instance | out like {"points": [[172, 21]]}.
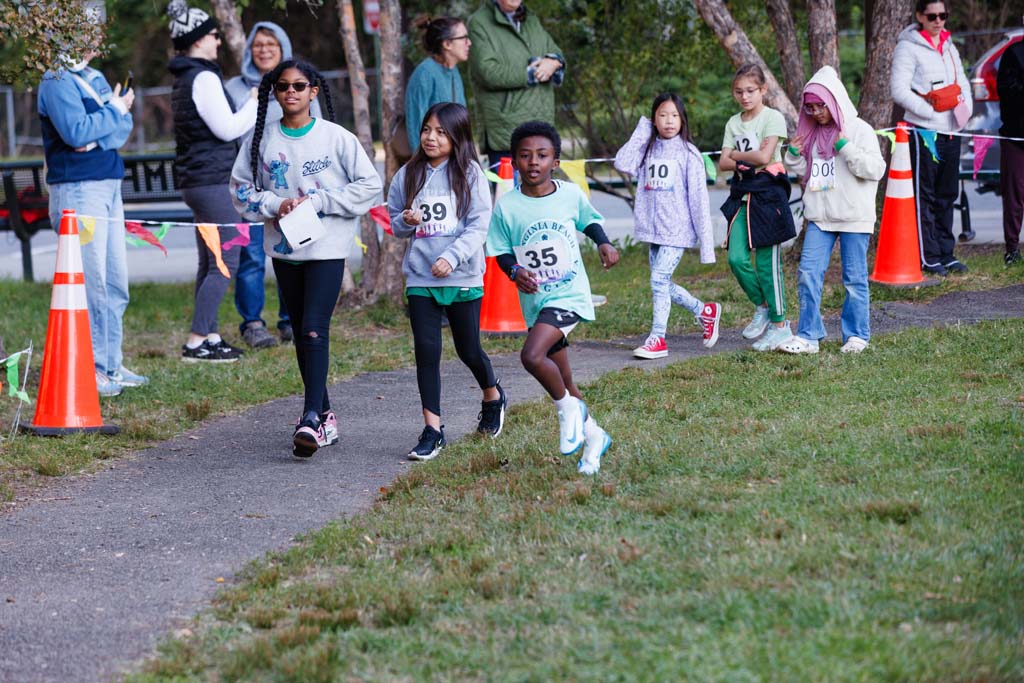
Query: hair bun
{"points": [[175, 8], [423, 21]]}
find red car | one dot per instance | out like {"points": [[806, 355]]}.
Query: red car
{"points": [[986, 117]]}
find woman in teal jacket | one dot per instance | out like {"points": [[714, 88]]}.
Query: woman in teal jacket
{"points": [[436, 79]]}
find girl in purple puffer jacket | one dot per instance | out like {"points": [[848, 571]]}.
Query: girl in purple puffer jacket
{"points": [[671, 212]]}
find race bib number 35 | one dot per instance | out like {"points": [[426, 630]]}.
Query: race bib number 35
{"points": [[823, 175], [439, 217], [548, 260], [661, 174]]}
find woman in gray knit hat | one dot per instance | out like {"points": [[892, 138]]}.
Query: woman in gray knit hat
{"points": [[206, 126]]}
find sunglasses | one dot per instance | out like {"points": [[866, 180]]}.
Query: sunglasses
{"points": [[299, 86], [215, 34], [935, 17]]}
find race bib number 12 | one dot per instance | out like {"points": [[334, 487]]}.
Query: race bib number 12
{"points": [[748, 142], [548, 260], [439, 217]]}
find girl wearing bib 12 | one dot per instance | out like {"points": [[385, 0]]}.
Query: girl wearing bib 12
{"points": [[671, 213], [751, 144], [300, 161], [837, 155], [441, 202]]}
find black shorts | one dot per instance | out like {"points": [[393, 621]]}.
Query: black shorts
{"points": [[562, 319]]}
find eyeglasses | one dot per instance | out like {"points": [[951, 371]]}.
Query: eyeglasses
{"points": [[941, 16], [465, 37], [812, 109], [298, 86]]}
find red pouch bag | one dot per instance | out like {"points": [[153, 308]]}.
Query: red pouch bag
{"points": [[946, 98]]}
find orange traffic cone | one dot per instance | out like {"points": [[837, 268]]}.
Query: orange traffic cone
{"points": [[898, 258], [68, 400], [500, 312]]}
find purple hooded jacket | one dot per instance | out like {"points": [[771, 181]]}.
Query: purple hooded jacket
{"points": [[672, 210]]}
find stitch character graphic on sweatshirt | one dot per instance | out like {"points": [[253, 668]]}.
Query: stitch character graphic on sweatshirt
{"points": [[277, 170]]}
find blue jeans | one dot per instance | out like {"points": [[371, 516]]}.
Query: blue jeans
{"points": [[104, 262], [855, 320], [249, 293], [663, 261]]}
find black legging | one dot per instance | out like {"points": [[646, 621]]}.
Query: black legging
{"points": [[310, 292], [464, 320]]}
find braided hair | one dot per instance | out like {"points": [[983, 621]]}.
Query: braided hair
{"points": [[316, 80]]}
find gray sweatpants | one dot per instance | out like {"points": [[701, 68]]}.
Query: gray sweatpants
{"points": [[211, 204]]}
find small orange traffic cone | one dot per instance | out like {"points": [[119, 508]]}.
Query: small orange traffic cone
{"points": [[68, 401], [898, 258], [500, 312]]}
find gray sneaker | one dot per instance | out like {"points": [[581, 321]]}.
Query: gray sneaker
{"points": [[257, 337], [106, 386]]}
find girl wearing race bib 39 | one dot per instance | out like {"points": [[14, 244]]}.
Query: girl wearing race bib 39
{"points": [[441, 202], [837, 155], [533, 236], [671, 213], [751, 148]]}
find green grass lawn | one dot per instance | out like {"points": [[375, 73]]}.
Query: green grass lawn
{"points": [[760, 517], [377, 338]]}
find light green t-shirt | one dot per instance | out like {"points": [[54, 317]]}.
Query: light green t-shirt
{"points": [[544, 228], [747, 136]]}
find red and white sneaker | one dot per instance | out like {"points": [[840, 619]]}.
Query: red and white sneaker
{"points": [[654, 347], [709, 317]]}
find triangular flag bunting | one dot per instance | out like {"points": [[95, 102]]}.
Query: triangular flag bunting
{"points": [[12, 378], [709, 167], [491, 176], [981, 146], [240, 240], [141, 235], [891, 136], [928, 138], [85, 235], [210, 235], [576, 170], [380, 216]]}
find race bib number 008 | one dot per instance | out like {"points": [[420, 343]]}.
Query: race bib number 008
{"points": [[439, 217], [748, 142], [548, 260], [661, 175], [823, 175]]}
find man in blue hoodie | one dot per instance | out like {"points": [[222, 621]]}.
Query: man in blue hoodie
{"points": [[84, 123], [268, 45]]}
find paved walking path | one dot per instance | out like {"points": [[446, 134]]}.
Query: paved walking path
{"points": [[96, 569]]}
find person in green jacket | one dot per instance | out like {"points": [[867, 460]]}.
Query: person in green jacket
{"points": [[514, 65]]}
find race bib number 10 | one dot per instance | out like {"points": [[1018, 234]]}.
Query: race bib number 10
{"points": [[439, 217], [661, 175], [548, 260]]}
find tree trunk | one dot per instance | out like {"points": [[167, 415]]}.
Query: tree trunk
{"points": [[231, 28], [361, 115], [884, 21], [741, 51], [822, 38], [389, 279], [790, 56]]}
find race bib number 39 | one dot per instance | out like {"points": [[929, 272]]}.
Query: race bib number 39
{"points": [[661, 174], [548, 260], [748, 142], [439, 217], [823, 175]]}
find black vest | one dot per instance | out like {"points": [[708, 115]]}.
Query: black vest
{"points": [[202, 157]]}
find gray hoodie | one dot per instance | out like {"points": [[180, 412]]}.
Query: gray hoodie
{"points": [[459, 241], [238, 87]]}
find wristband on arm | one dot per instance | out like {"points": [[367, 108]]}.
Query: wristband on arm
{"points": [[596, 233]]}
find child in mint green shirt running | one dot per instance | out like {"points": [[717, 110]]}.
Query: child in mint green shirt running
{"points": [[533, 235]]}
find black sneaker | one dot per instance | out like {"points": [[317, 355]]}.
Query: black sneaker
{"points": [[208, 353], [955, 266], [229, 351], [1012, 257], [431, 443], [939, 270], [492, 414], [309, 435]]}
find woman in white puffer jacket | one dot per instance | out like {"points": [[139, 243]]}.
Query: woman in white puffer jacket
{"points": [[926, 74]]}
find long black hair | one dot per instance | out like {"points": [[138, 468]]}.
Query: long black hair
{"points": [[684, 123], [316, 80], [454, 119]]}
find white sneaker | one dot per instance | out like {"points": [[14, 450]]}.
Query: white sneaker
{"points": [[597, 443], [797, 344], [774, 338], [757, 326], [854, 345], [106, 386], [570, 426]]}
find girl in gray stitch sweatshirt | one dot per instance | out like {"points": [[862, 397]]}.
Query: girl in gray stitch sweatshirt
{"points": [[440, 201]]}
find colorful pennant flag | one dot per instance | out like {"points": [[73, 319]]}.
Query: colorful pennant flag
{"points": [[240, 240], [141, 235], [709, 167], [491, 176], [12, 378], [88, 230], [380, 216], [891, 136], [981, 147], [211, 236], [928, 138], [142, 240], [576, 170]]}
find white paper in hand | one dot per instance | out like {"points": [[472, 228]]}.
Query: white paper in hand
{"points": [[302, 227]]}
